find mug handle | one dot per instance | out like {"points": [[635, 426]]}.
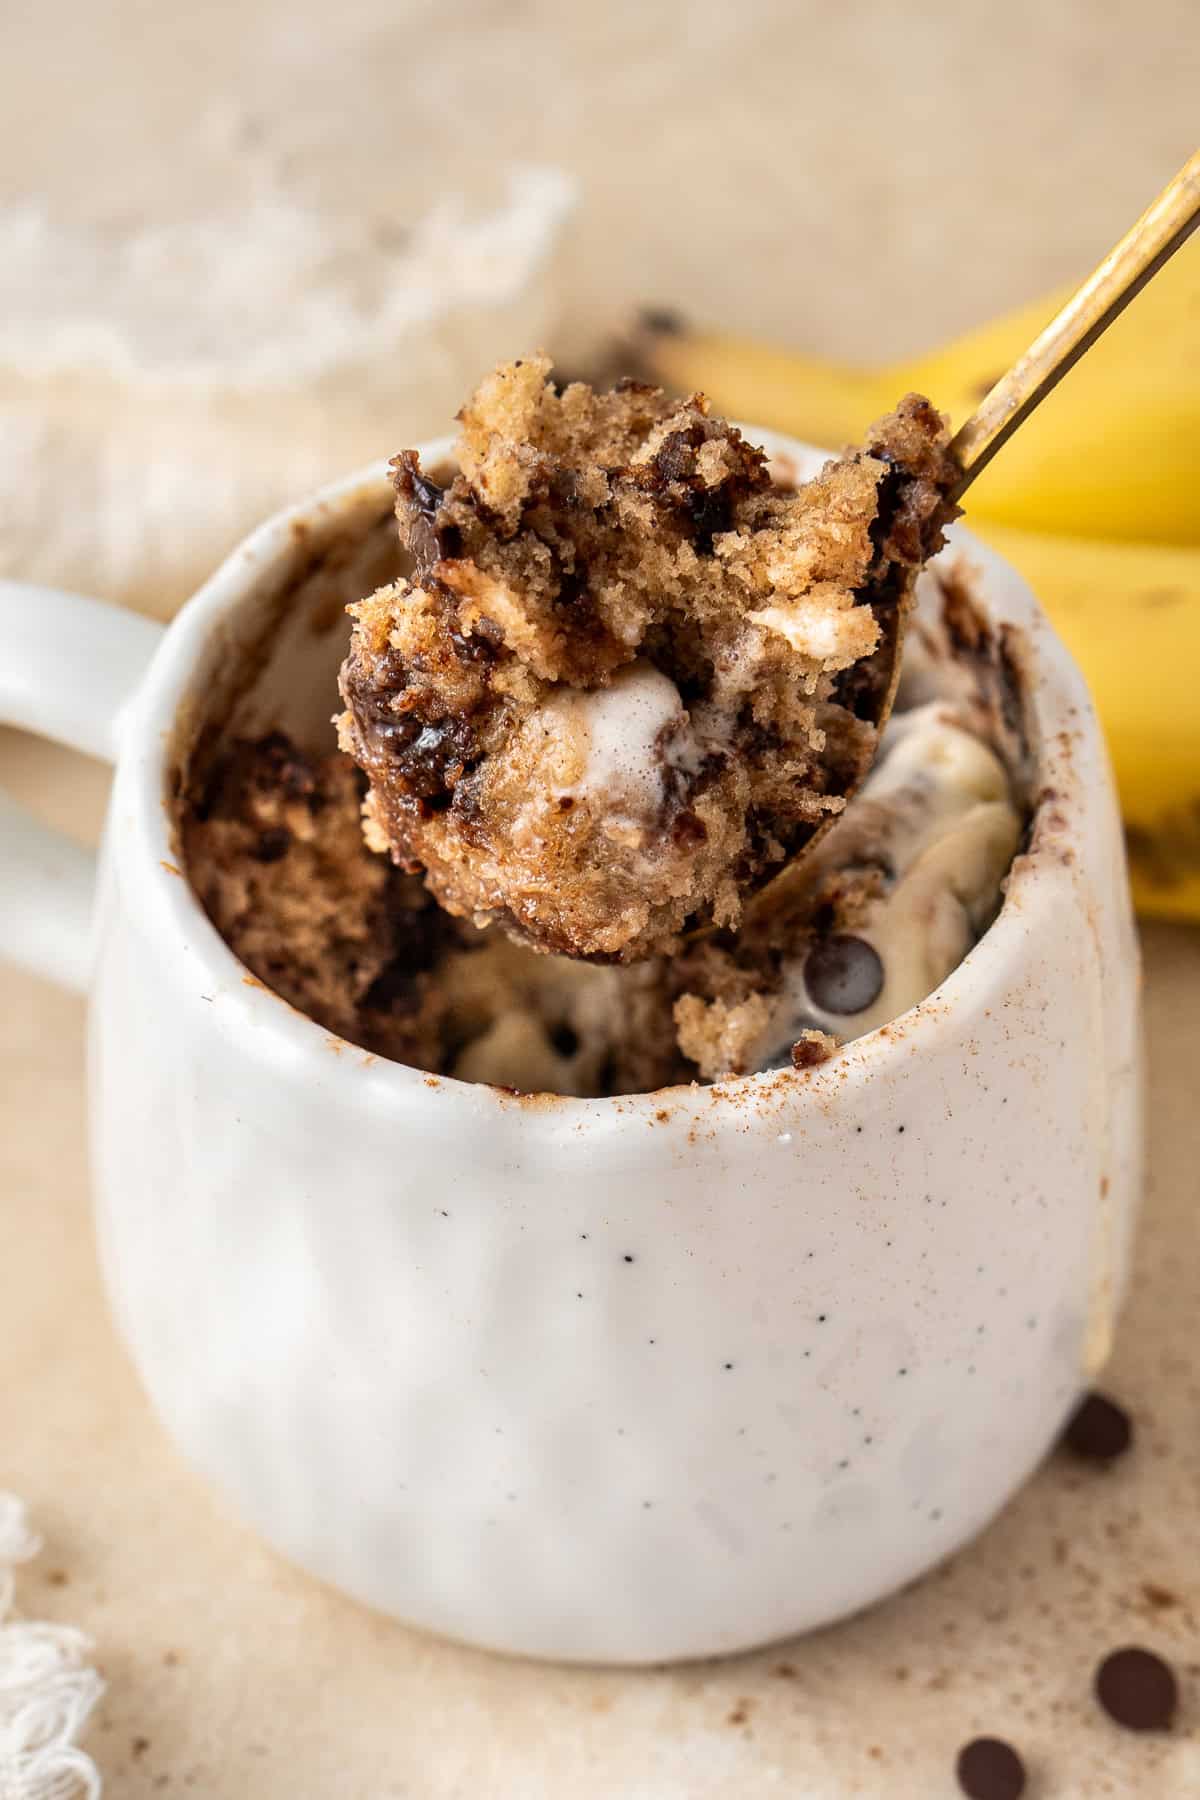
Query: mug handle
{"points": [[68, 669]]}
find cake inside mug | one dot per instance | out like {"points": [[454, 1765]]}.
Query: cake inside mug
{"points": [[384, 945]]}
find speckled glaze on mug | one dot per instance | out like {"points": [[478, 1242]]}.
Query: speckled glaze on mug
{"points": [[610, 1380]]}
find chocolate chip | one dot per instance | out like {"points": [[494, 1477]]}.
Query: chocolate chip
{"points": [[273, 844], [427, 494], [891, 490], [412, 484], [471, 648], [278, 764], [687, 828], [662, 319], [675, 458], [430, 537], [298, 780], [1099, 1430], [489, 631], [394, 989], [990, 1769], [565, 1039], [711, 513], [573, 591], [843, 974], [1137, 1689], [378, 724], [429, 758], [431, 544]]}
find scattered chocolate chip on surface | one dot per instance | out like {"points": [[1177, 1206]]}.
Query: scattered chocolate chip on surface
{"points": [[990, 1769], [1099, 1430], [1137, 1689]]}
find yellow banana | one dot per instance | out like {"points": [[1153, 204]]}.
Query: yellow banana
{"points": [[1114, 452], [1131, 616]]}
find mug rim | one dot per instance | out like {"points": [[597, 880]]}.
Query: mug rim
{"points": [[1057, 702]]}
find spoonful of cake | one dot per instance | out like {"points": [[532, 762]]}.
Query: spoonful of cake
{"points": [[630, 674]]}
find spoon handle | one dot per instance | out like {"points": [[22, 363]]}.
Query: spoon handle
{"points": [[1166, 223]]}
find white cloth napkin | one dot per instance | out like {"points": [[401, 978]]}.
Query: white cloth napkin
{"points": [[47, 1688], [166, 384]]}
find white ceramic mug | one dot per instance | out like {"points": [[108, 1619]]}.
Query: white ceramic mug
{"points": [[618, 1380]]}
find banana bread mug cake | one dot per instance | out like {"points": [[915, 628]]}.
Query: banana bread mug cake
{"points": [[604, 1374], [631, 672]]}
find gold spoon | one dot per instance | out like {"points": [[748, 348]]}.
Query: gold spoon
{"points": [[1166, 224]]}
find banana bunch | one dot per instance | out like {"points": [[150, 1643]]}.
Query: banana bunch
{"points": [[1096, 500]]}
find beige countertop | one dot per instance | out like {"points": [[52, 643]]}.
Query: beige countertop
{"points": [[861, 180]]}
